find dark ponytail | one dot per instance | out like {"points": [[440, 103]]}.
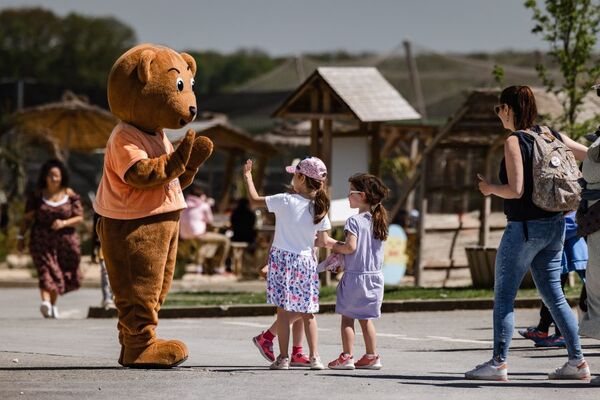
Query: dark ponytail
{"points": [[375, 191], [321, 203], [521, 101]]}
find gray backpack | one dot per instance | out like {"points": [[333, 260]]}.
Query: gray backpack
{"points": [[555, 173]]}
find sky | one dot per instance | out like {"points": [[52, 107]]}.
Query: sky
{"points": [[290, 27]]}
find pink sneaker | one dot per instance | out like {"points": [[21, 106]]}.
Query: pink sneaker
{"points": [[344, 361], [265, 347], [368, 362], [300, 360]]}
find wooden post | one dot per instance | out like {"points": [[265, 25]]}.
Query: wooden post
{"points": [[227, 179], [414, 152], [468, 181], [261, 165], [314, 124], [486, 207], [327, 132], [375, 164], [421, 226]]}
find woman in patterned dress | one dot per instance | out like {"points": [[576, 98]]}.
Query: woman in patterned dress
{"points": [[52, 212]]}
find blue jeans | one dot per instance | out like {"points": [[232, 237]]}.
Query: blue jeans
{"points": [[542, 251], [107, 293]]}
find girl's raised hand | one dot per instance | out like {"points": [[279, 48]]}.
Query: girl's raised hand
{"points": [[248, 168]]}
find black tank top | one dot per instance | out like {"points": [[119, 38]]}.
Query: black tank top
{"points": [[523, 209]]}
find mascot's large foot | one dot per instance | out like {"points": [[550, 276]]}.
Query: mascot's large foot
{"points": [[157, 341], [160, 354]]}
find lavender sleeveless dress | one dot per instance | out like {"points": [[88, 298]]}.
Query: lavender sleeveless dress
{"points": [[360, 291]]}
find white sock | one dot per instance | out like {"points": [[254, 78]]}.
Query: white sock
{"points": [[497, 363], [575, 363]]}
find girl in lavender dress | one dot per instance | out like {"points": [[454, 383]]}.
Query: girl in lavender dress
{"points": [[360, 291]]}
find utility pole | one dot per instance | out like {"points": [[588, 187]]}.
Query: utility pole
{"points": [[20, 94], [415, 81], [20, 89]]}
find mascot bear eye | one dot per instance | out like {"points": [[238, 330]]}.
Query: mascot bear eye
{"points": [[180, 84], [192, 81]]}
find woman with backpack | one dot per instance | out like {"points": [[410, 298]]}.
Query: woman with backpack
{"points": [[538, 178]]}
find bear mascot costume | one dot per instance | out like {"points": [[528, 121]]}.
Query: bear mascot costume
{"points": [[140, 197]]}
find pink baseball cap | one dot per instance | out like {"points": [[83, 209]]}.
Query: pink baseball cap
{"points": [[312, 167]]}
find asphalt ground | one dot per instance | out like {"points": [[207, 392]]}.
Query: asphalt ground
{"points": [[424, 354]]}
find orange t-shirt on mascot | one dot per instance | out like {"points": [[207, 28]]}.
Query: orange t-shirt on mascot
{"points": [[119, 200]]}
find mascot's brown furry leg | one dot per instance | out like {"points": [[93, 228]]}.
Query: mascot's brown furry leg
{"points": [[140, 270]]}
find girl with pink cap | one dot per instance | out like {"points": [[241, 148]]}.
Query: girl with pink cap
{"points": [[292, 279]]}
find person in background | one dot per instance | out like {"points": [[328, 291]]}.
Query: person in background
{"points": [[243, 221], [532, 240], [194, 223], [3, 212], [52, 212], [107, 294]]}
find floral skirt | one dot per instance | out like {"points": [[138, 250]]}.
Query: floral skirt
{"points": [[293, 281]]}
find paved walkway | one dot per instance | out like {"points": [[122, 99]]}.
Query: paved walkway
{"points": [[424, 356]]}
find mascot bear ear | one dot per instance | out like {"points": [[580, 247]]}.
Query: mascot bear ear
{"points": [[190, 62], [143, 68]]}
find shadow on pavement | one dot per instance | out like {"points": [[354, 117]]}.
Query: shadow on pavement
{"points": [[78, 368], [482, 384], [459, 381], [454, 350]]}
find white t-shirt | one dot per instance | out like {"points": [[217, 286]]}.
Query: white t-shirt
{"points": [[294, 228]]}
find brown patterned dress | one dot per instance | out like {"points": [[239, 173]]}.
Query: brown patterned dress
{"points": [[55, 253]]}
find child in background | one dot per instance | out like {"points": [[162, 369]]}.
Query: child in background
{"points": [[360, 291], [292, 279], [107, 294]]}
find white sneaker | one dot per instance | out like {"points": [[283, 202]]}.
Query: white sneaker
{"points": [[489, 372], [568, 371], [281, 363], [108, 304], [315, 363], [46, 309], [55, 314]]}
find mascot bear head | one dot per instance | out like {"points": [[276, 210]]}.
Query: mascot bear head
{"points": [[151, 88]]}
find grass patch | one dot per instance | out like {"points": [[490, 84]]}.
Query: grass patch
{"points": [[192, 299]]}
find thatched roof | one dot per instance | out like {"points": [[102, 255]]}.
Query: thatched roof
{"points": [[70, 124], [360, 93]]}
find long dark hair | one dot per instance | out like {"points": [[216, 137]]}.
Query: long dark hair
{"points": [[45, 170], [521, 100], [375, 191], [321, 200]]}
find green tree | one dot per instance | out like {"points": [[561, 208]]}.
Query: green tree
{"points": [[571, 29], [75, 51], [220, 72], [29, 42], [89, 48]]}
